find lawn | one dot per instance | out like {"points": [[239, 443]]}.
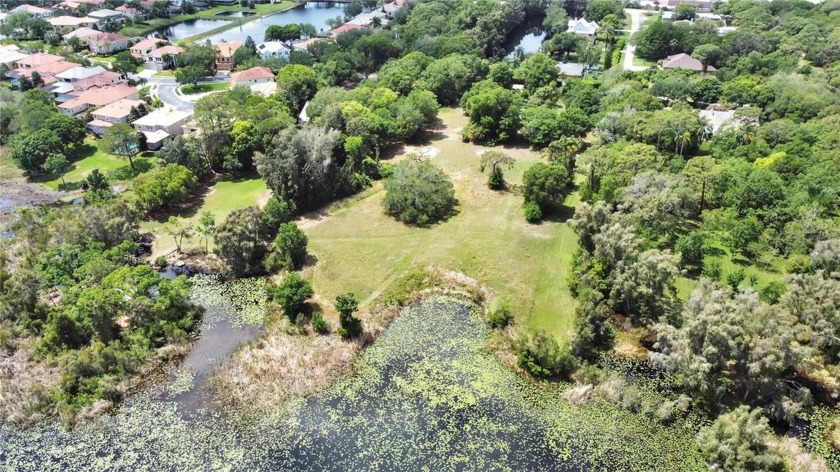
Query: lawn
{"points": [[360, 249], [729, 265], [90, 157], [222, 197], [202, 88]]}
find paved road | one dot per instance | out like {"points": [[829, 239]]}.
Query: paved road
{"points": [[166, 87], [636, 17]]}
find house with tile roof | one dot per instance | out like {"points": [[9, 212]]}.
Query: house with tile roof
{"points": [[103, 79], [47, 72], [224, 54], [78, 73], [37, 59], [702, 6], [684, 61], [33, 11], [111, 114], [146, 46], [97, 97], [252, 76], [10, 55], [71, 21], [163, 58], [161, 124], [107, 43], [82, 33], [343, 29]]}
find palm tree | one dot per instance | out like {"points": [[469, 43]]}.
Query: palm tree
{"points": [[376, 22], [682, 140]]}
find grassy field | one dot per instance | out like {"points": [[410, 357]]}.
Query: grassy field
{"points": [[728, 266], [224, 196], [90, 157], [261, 10], [360, 249], [202, 88]]}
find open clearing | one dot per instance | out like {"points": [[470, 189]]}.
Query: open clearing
{"points": [[360, 249]]}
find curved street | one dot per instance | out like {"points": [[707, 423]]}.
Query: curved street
{"points": [[165, 88]]}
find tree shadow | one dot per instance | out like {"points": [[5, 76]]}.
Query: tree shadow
{"points": [[141, 165], [559, 214]]}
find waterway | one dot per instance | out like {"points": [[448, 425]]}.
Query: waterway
{"points": [[185, 29], [314, 13]]}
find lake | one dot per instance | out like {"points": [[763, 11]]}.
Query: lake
{"points": [[186, 28], [314, 13], [427, 395]]}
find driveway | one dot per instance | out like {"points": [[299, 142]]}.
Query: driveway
{"points": [[636, 18], [166, 87]]}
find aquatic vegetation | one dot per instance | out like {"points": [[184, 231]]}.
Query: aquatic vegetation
{"points": [[427, 396], [246, 298]]}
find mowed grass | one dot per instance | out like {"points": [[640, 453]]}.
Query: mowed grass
{"points": [[359, 249], [201, 88], [89, 157], [220, 198]]}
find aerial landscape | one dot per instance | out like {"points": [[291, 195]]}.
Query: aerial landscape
{"points": [[399, 235]]}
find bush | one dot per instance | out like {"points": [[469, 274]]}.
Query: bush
{"points": [[291, 295], [419, 193], [289, 248], [540, 355], [160, 262], [546, 184], [319, 324], [277, 211], [163, 186], [499, 314], [533, 213], [351, 327]]}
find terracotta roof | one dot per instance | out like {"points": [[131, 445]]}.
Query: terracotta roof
{"points": [[258, 72], [344, 28], [38, 59], [99, 80], [31, 9], [98, 97], [70, 21], [102, 37], [119, 109], [82, 33], [148, 44], [170, 49], [226, 49], [99, 124]]}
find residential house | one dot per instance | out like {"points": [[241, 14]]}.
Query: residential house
{"points": [[33, 11], [304, 45], [47, 72], [224, 54], [391, 8], [273, 49], [130, 12], [78, 73], [103, 79], [161, 124], [367, 19], [107, 43], [72, 5], [718, 120], [10, 55], [571, 69], [107, 116], [582, 27], [702, 6], [252, 76], [71, 21], [97, 97], [144, 47], [105, 15], [343, 29], [724, 30], [163, 58], [82, 33], [684, 61], [37, 59]]}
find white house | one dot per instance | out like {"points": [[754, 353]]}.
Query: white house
{"points": [[161, 124], [33, 11], [105, 15], [252, 76], [273, 49], [163, 58], [107, 43], [582, 27]]}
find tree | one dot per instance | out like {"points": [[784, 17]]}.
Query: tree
{"points": [[69, 129], [240, 241], [179, 230], [540, 355], [537, 71], [289, 248], [418, 193], [206, 228], [297, 84], [685, 11], [597, 10], [545, 184], [190, 75], [351, 327], [121, 139], [738, 441], [542, 125], [493, 111], [57, 164], [449, 77], [125, 63], [708, 54], [292, 293], [30, 151], [657, 40], [594, 332], [163, 186], [496, 161], [97, 186], [691, 248]]}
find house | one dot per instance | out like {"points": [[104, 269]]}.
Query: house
{"points": [[82, 33], [252, 76], [719, 119], [105, 15], [224, 54], [163, 58], [343, 29], [273, 49], [702, 6], [10, 55], [107, 116], [390, 8], [36, 60], [684, 61], [33, 11], [582, 27], [144, 47], [71, 21], [571, 69], [724, 30], [61, 92], [107, 43], [97, 97], [74, 4], [368, 19], [304, 45], [130, 12], [161, 124], [78, 73], [103, 79]]}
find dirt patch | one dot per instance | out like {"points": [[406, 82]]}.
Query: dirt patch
{"points": [[17, 192]]}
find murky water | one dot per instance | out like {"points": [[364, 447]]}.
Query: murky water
{"points": [[427, 396], [314, 13]]}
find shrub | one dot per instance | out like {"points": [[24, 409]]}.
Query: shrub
{"points": [[351, 327], [277, 211], [163, 187], [545, 184], [319, 324], [160, 262], [291, 295], [499, 314], [289, 248], [419, 193], [533, 213], [540, 355]]}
